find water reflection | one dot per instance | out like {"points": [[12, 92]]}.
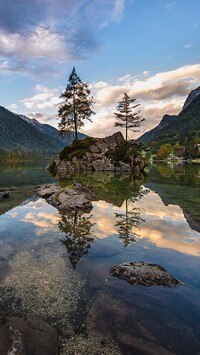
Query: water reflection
{"points": [[22, 181], [78, 234], [178, 185], [37, 276], [128, 222]]}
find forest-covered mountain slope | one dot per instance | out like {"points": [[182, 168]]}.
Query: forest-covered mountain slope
{"points": [[21, 132]]}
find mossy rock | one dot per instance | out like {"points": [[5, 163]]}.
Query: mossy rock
{"points": [[78, 149]]}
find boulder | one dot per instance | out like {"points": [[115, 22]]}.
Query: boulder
{"points": [[68, 198], [30, 335], [141, 273]]}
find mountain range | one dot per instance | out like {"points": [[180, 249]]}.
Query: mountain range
{"points": [[182, 128], [21, 132]]}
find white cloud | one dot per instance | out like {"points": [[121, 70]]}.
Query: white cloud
{"points": [[43, 99], [13, 107], [188, 45], [40, 43], [159, 94]]}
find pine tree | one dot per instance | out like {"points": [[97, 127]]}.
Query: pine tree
{"points": [[126, 117], [77, 105]]}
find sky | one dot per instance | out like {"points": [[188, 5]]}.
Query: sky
{"points": [[149, 49]]}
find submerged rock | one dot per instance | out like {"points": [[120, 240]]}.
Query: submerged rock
{"points": [[141, 273], [74, 197], [27, 336], [4, 194]]}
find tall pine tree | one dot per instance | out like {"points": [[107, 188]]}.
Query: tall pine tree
{"points": [[77, 105], [126, 116]]}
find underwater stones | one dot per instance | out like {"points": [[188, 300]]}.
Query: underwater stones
{"points": [[99, 276], [68, 198], [133, 345], [28, 336], [107, 313], [141, 273]]}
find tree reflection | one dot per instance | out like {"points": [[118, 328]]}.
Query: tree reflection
{"points": [[78, 235], [129, 221]]}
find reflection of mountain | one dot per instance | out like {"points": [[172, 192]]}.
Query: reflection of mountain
{"points": [[109, 187], [178, 187], [78, 236]]}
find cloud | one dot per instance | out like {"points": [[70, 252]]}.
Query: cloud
{"points": [[169, 5], [31, 37], [188, 45], [195, 26], [43, 99], [41, 117], [13, 107], [104, 12], [158, 94]]}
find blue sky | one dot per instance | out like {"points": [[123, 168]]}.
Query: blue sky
{"points": [[147, 48]]}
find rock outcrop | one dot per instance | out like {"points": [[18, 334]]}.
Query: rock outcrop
{"points": [[192, 95], [141, 273], [111, 153], [74, 197]]}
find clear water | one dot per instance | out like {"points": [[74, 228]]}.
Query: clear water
{"points": [[58, 266]]}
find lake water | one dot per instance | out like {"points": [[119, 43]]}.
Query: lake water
{"points": [[58, 266]]}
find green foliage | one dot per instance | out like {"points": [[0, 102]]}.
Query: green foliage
{"points": [[183, 129], [18, 155], [126, 117], [77, 149], [164, 151], [124, 152], [77, 105], [18, 135]]}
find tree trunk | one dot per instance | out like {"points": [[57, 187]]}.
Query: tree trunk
{"points": [[75, 118]]}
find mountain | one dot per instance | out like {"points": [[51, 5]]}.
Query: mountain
{"points": [[20, 132], [148, 136], [52, 132], [192, 95], [182, 128]]}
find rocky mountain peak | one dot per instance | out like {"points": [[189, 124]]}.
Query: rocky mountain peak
{"points": [[192, 95]]}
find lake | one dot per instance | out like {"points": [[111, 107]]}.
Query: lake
{"points": [[58, 265]]}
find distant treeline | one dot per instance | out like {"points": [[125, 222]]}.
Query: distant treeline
{"points": [[17, 155]]}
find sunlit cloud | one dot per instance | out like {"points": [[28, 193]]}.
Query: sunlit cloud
{"points": [[159, 94], [44, 98]]}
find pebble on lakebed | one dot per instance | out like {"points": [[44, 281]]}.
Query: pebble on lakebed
{"points": [[141, 273]]}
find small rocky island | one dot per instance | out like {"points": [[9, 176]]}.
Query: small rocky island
{"points": [[112, 153]]}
